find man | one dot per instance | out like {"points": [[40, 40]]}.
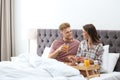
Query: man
{"points": [[58, 46]]}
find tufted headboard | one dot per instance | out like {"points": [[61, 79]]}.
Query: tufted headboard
{"points": [[110, 37], [47, 36]]}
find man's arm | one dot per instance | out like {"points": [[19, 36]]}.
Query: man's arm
{"points": [[54, 52], [55, 49]]}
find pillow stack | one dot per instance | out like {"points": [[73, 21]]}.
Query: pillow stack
{"points": [[110, 60]]}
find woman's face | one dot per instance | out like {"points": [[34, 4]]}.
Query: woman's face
{"points": [[85, 34]]}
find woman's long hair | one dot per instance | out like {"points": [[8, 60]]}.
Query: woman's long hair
{"points": [[92, 32]]}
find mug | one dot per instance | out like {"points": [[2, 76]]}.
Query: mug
{"points": [[95, 62]]}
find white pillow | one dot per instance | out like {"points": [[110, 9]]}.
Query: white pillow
{"points": [[113, 58], [106, 48], [46, 52], [109, 60], [105, 58]]}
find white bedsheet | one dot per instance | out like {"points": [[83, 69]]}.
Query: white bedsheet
{"points": [[108, 76], [35, 68]]}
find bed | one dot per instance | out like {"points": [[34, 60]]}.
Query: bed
{"points": [[108, 37], [27, 66]]}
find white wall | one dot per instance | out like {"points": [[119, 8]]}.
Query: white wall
{"points": [[104, 14]]}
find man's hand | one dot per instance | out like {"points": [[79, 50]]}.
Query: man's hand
{"points": [[71, 58], [63, 48]]}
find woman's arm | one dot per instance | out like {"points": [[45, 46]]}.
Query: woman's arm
{"points": [[99, 54]]}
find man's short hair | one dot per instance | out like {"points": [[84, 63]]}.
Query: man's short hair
{"points": [[64, 26]]}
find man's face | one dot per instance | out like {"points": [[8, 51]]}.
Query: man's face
{"points": [[67, 34]]}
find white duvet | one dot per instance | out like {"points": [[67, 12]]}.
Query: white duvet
{"points": [[27, 67]]}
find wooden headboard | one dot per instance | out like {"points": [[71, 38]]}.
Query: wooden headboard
{"points": [[45, 37]]}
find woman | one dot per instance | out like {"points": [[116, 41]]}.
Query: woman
{"points": [[91, 47]]}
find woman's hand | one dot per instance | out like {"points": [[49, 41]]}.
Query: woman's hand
{"points": [[91, 61], [80, 59]]}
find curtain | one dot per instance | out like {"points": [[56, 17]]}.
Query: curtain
{"points": [[6, 30], [0, 30]]}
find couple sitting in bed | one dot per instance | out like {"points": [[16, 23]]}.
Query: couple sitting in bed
{"points": [[90, 48]]}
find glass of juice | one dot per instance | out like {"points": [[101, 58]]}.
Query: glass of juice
{"points": [[86, 62], [66, 46]]}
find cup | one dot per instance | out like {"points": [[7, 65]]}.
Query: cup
{"points": [[95, 62], [86, 62], [66, 46]]}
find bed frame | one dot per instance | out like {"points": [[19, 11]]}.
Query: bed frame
{"points": [[108, 37]]}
